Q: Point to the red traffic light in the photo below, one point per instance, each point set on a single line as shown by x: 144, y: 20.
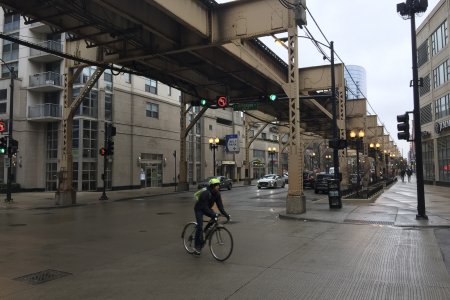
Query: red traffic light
x: 102, y: 151
x: 2, y: 126
x: 222, y: 101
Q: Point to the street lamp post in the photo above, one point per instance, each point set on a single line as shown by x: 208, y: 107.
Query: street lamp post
x: 272, y: 151
x: 408, y: 10
x: 375, y: 148
x: 327, y: 158
x: 213, y: 145
x: 358, y: 141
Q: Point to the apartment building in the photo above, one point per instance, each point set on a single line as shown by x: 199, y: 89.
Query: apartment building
x: 145, y: 113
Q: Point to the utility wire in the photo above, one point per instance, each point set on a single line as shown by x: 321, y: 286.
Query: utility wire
x: 351, y: 77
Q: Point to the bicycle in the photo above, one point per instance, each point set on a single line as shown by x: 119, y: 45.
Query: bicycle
x: 219, y: 238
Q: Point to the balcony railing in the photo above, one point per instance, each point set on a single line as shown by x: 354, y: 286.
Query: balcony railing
x: 45, y: 111
x: 46, y: 81
x: 51, y: 45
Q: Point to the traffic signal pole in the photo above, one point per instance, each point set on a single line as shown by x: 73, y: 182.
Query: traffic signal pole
x: 421, y: 215
x: 103, y: 196
x: 10, y: 136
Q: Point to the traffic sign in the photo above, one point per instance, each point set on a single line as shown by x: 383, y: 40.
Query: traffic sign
x: 245, y: 106
x: 2, y: 126
x: 232, y: 143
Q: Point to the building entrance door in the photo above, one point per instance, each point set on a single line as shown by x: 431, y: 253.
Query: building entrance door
x: 153, y: 175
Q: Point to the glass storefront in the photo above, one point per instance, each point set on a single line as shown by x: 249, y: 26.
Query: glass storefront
x: 443, y: 151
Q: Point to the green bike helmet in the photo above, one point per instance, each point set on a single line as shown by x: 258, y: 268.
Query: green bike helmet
x: 214, y: 181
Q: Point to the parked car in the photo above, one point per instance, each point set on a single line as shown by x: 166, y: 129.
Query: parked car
x: 321, y: 183
x: 271, y: 181
x: 225, y: 183
x: 308, y: 180
x: 286, y: 177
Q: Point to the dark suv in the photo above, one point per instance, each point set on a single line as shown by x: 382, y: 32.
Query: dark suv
x: 308, y: 180
x: 321, y: 184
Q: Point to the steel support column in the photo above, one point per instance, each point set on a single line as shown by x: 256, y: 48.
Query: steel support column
x: 66, y: 195
x: 295, y: 203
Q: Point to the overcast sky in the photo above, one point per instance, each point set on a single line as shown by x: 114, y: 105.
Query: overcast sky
x: 371, y: 34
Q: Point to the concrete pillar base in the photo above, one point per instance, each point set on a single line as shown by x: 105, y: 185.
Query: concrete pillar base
x: 295, y: 204
x: 182, y: 187
x: 65, y: 198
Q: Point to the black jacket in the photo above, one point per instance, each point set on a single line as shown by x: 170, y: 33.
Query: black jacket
x: 206, y: 202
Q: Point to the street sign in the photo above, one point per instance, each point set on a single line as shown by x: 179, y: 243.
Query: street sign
x: 232, y: 143
x: 245, y: 106
x: 2, y: 126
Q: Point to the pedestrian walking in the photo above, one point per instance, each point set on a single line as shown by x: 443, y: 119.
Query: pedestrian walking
x: 402, y: 174
x: 409, y: 173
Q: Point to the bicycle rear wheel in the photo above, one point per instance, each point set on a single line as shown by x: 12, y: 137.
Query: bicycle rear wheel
x: 188, y: 237
x: 221, y: 243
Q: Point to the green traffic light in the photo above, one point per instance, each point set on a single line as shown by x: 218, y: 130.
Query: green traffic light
x: 202, y: 102
x: 2, y: 150
x: 273, y: 97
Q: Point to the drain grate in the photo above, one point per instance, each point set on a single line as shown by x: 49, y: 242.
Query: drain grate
x: 368, y: 222
x: 42, y: 276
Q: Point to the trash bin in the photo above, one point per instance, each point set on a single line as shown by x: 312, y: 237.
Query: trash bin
x: 334, y: 193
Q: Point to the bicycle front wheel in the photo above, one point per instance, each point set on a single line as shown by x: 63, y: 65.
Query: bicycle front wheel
x: 221, y: 243
x: 188, y: 237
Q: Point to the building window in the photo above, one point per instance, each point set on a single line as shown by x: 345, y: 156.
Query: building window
x: 170, y: 91
x: 107, y: 76
x: 108, y: 106
x: 151, y: 86
x: 90, y: 139
x: 6, y: 69
x: 439, y: 38
x: 428, y: 160
x: 11, y: 22
x: 263, y: 135
x: 89, y: 104
x: 440, y: 74
x: 89, y: 176
x: 442, y: 107
x: 426, y: 85
x: 52, y: 141
x: 152, y: 110
x: 423, y: 53
x: 10, y: 49
x: 3, y: 100
x: 127, y: 77
x: 425, y: 114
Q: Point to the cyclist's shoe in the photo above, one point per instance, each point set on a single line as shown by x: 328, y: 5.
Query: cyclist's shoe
x: 197, y: 252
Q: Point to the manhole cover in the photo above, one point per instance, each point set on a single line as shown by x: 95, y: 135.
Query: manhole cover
x: 164, y: 213
x: 17, y: 225
x: 368, y: 222
x: 42, y: 276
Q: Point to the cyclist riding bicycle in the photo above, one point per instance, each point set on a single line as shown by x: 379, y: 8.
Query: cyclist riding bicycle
x: 204, y: 207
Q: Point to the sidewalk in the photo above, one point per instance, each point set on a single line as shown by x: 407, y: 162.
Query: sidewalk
x: 396, y: 206
x: 46, y: 200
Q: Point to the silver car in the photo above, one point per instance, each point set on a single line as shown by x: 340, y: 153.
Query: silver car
x: 271, y: 181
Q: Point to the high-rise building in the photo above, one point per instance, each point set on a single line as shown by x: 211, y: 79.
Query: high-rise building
x: 356, y: 82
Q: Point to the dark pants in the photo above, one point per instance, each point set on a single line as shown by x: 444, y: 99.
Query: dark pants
x: 199, y: 229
